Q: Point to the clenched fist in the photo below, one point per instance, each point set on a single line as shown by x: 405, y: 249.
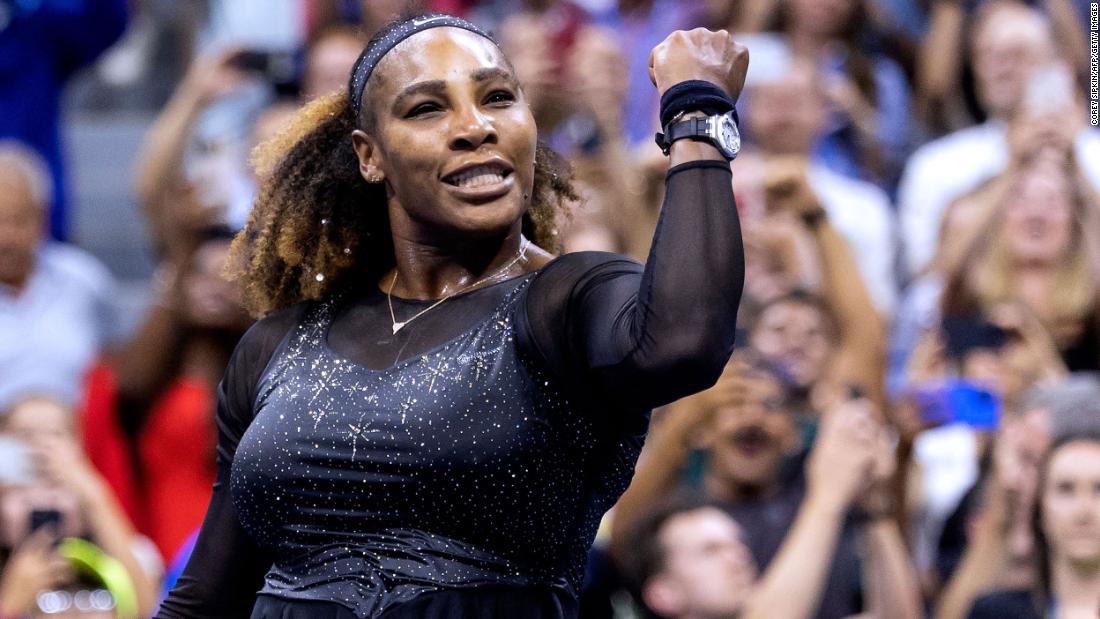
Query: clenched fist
x: 699, y: 54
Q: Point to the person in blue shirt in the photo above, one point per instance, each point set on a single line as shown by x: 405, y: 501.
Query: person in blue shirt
x: 42, y: 43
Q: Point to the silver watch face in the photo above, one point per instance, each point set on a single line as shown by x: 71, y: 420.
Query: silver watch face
x: 729, y: 137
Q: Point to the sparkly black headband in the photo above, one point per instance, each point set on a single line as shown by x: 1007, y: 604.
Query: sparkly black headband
x: 368, y: 60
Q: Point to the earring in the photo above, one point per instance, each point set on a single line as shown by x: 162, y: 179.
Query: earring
x: 374, y: 178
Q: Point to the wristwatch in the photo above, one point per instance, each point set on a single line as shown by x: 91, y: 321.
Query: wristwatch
x: 720, y: 130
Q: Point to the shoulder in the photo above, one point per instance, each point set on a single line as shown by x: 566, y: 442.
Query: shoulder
x: 851, y: 191
x: 949, y: 166
x: 578, y: 264
x: 263, y: 338
x: 250, y: 360
x: 568, y: 275
x: 950, y: 149
x: 75, y: 268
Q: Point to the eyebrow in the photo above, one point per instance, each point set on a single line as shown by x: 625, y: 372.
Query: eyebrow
x: 438, y: 87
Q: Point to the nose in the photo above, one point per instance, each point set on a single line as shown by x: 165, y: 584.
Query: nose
x: 472, y: 128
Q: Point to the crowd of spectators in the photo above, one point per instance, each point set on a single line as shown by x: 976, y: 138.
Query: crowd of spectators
x: 910, y: 426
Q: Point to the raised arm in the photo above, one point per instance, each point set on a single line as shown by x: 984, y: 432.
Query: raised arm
x: 835, y: 473
x: 654, y: 336
x: 146, y: 361
x: 861, y: 355
x: 159, y: 181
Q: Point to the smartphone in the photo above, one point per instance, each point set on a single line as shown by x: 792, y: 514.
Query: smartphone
x: 1049, y: 89
x: 45, y: 518
x: 963, y: 334
x: 958, y: 401
x: 275, y: 67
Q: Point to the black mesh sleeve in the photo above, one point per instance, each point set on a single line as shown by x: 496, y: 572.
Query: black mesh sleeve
x: 646, y: 337
x: 227, y: 567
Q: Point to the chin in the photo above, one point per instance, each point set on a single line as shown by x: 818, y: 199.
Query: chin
x: 488, y: 220
x: 1084, y: 552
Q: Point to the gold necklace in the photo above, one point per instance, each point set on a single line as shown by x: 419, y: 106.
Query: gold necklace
x: 397, y: 326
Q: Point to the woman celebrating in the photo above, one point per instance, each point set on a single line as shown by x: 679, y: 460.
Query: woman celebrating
x: 435, y: 414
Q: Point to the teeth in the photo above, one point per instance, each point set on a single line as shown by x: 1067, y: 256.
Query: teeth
x: 479, y: 180
x: 477, y: 177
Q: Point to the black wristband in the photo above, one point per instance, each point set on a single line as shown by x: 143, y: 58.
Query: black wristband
x: 692, y: 96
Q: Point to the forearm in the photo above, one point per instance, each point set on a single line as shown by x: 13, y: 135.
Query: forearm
x: 143, y: 363
x: 1068, y: 32
x: 977, y: 572
x: 862, y: 356
x: 160, y: 159
x: 938, y: 64
x: 683, y: 322
x: 888, y: 574
x: 801, y: 565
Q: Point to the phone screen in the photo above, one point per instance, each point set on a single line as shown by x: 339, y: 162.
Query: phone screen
x: 45, y: 518
x: 958, y: 401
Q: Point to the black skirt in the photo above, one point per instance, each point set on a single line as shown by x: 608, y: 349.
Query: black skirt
x: 484, y: 603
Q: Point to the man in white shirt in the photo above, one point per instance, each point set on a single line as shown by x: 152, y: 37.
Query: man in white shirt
x: 55, y: 310
x: 1009, y: 43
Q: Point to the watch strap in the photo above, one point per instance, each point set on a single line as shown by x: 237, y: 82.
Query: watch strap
x: 700, y: 128
x: 690, y: 128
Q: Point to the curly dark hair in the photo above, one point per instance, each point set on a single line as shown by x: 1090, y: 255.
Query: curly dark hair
x: 316, y: 224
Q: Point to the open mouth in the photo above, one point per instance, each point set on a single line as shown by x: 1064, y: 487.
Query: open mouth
x: 751, y: 440
x: 478, y: 175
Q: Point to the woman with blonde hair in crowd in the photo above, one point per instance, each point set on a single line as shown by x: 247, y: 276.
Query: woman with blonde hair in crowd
x: 1035, y: 242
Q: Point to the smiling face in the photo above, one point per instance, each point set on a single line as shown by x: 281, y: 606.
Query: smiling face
x: 1071, y: 503
x: 452, y: 135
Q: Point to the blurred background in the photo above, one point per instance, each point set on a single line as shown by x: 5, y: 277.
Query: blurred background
x: 917, y: 189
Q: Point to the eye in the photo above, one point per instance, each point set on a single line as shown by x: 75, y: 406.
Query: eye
x: 421, y: 109
x: 500, y: 97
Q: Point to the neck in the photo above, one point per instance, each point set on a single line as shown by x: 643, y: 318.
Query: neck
x: 733, y: 491
x: 1033, y: 283
x: 206, y: 356
x: 426, y: 270
x: 1076, y: 584
x: 807, y: 43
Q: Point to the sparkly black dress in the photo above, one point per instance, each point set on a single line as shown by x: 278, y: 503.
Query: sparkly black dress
x: 460, y: 467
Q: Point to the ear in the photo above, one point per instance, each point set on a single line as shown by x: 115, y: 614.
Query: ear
x: 369, y: 160
x: 662, y: 596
